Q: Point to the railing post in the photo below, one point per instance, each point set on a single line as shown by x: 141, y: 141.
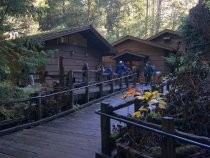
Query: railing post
x: 71, y: 86
x: 105, y: 129
x: 168, y: 86
x: 39, y: 106
x: 121, y: 81
x: 168, y: 144
x: 101, y: 84
x: 112, y: 84
x: 137, y: 104
x: 87, y: 88
x: 134, y: 79
x: 61, y: 71
x: 127, y: 81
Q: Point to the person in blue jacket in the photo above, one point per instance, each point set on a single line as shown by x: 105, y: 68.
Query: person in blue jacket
x: 109, y: 72
x: 120, y: 68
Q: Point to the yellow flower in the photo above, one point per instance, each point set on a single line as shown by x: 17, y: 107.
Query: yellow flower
x: 154, y: 94
x: 147, y: 94
x: 137, y: 114
x: 162, y: 104
x: 129, y: 94
x: 124, y: 96
x: 137, y: 93
x: 143, y: 110
x: 153, y: 101
x: 140, y: 97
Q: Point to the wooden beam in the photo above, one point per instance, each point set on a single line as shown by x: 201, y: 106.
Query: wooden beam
x: 168, y: 144
x: 61, y: 71
x: 105, y: 129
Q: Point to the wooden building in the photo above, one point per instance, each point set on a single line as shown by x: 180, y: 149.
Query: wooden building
x: 168, y: 38
x: 75, y: 47
x: 136, y: 52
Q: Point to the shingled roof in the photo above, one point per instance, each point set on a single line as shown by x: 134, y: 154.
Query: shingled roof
x: 141, y: 41
x: 93, y: 37
x: 162, y: 33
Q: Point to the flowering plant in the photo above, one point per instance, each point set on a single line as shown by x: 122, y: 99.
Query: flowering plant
x: 151, y: 101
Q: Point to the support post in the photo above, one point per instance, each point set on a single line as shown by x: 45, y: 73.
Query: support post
x: 134, y: 80
x: 120, y: 82
x: 101, y: 84
x: 112, y: 84
x: 137, y: 104
x: 39, y: 106
x: 168, y: 85
x: 105, y: 130
x: 71, y: 86
x: 168, y: 144
x: 87, y: 88
x: 127, y: 81
x: 61, y: 71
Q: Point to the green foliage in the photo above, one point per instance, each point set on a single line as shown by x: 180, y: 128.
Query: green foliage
x: 191, y: 86
x: 10, y: 10
x: 171, y: 59
x: 195, y: 33
x: 9, y: 91
x: 21, y: 57
x: 120, y: 17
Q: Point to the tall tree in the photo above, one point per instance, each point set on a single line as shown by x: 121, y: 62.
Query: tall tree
x: 158, y: 19
x: 146, y: 18
x: 13, y: 9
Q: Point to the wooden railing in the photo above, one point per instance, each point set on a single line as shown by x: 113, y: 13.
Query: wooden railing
x: 166, y: 130
x: 48, y: 106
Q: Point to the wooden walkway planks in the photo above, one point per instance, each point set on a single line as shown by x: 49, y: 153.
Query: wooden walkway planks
x: 74, y: 136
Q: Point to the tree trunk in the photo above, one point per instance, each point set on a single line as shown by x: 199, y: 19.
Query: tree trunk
x: 153, y: 18
x: 158, y: 19
x: 146, y: 19
x: 63, y: 11
x: 88, y: 10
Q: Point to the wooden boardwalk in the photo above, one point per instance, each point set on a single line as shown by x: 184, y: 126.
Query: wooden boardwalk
x: 74, y: 136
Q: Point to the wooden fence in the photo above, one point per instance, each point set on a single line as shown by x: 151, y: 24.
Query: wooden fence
x: 50, y: 105
x: 166, y: 130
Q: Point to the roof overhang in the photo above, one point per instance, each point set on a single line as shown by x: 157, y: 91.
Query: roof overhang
x: 146, y: 42
x: 129, y: 56
x: 162, y: 33
x: 94, y: 39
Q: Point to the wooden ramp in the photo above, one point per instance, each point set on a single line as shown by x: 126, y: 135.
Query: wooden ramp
x: 74, y: 136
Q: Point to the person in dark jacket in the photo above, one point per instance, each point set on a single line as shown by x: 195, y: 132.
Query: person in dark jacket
x: 120, y: 68
x: 109, y: 72
x: 148, y: 71
x: 85, y: 72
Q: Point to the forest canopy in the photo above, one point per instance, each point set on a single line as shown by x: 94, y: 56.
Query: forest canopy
x: 112, y: 18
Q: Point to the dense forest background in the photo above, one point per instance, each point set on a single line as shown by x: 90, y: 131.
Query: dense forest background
x: 112, y: 18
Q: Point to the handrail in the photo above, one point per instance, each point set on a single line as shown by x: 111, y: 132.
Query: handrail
x: 61, y: 92
x: 167, y: 134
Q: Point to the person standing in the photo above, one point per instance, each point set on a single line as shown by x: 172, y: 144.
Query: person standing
x: 148, y: 71
x: 85, y: 72
x: 120, y: 68
x: 109, y: 72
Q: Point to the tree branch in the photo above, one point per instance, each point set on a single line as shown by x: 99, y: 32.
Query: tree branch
x: 4, y: 14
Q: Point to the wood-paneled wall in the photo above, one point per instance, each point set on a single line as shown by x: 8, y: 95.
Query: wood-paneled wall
x: 155, y: 54
x: 172, y: 42
x: 74, y: 57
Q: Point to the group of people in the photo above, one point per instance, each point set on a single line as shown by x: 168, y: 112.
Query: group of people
x: 121, y: 69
